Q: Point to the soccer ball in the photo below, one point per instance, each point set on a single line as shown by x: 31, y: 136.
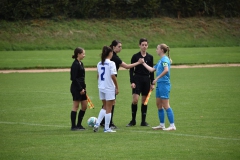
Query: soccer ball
x: 91, y: 121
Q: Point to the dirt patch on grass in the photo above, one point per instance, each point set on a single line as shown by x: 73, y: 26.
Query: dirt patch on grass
x: 95, y: 69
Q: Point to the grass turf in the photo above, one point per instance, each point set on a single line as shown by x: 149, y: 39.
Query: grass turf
x: 35, y: 118
x: 63, y: 58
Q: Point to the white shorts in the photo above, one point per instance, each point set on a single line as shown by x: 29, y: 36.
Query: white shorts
x: 110, y: 95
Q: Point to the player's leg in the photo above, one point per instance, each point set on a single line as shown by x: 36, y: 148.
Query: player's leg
x: 103, y: 121
x: 133, y: 109
x: 76, y: 100
x: 161, y: 115
x: 102, y: 112
x: 82, y: 112
x: 110, y: 97
x: 112, y: 125
x: 73, y: 115
x: 166, y: 106
x: 144, y: 89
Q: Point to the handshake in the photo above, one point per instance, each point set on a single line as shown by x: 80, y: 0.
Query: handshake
x: 141, y: 60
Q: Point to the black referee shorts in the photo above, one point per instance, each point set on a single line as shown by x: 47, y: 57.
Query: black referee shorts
x: 142, y: 85
x: 77, y: 96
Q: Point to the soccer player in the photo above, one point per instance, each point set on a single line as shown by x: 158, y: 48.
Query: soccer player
x: 117, y: 47
x: 163, y: 88
x: 141, y: 81
x: 78, y: 89
x: 108, y: 87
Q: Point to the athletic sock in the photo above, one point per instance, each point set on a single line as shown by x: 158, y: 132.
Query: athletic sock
x: 73, y: 118
x: 134, y: 112
x: 80, y: 117
x: 161, y: 116
x: 101, y: 115
x: 170, y: 115
x: 112, y: 115
x: 144, y: 112
x: 107, y: 120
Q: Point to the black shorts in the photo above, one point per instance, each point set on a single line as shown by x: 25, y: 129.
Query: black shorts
x: 76, y: 93
x: 142, y: 85
x: 77, y: 96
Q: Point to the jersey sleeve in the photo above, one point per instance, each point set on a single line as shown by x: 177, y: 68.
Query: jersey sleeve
x: 113, y: 69
x: 164, y: 62
x: 118, y: 61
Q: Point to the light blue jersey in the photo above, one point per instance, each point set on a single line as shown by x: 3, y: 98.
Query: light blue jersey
x: 164, y: 61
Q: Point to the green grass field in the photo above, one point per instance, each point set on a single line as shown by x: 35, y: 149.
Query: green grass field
x: 35, y: 118
x: 63, y: 58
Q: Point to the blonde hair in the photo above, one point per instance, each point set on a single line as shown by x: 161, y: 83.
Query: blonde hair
x: 166, y: 49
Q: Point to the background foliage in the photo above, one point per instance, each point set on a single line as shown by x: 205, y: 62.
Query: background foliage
x: 32, y: 9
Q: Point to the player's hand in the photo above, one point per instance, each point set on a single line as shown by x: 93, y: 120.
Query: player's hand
x: 152, y: 87
x: 82, y: 92
x: 116, y: 91
x: 141, y: 60
x: 154, y: 82
x: 133, y: 85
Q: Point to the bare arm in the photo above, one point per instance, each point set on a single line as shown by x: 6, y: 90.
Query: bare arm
x: 128, y: 66
x: 165, y: 71
x: 150, y: 69
x: 115, y: 82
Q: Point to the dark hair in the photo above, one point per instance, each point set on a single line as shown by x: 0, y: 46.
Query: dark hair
x: 143, y: 40
x: 114, y: 43
x: 105, y: 52
x: 76, y: 51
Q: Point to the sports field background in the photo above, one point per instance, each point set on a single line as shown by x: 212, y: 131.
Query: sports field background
x: 35, y: 118
x: 35, y: 107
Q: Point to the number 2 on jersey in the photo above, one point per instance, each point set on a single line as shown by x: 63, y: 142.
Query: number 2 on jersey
x: 102, y: 74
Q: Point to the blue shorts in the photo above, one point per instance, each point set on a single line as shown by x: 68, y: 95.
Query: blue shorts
x: 163, y: 90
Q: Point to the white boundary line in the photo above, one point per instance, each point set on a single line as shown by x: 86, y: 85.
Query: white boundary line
x: 150, y: 132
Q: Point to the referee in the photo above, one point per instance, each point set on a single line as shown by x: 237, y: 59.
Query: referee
x: 78, y: 89
x: 141, y: 82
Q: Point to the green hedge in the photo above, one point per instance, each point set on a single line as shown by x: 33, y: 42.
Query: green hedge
x: 32, y: 9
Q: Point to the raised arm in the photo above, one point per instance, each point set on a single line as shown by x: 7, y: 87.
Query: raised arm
x: 150, y: 69
x: 128, y: 66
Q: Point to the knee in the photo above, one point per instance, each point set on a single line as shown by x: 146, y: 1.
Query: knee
x: 135, y: 101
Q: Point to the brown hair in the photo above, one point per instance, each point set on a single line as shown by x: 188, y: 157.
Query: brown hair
x: 105, y: 52
x: 114, y: 43
x: 143, y: 40
x: 76, y: 51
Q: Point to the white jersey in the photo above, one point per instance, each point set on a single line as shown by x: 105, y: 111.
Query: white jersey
x: 105, y: 82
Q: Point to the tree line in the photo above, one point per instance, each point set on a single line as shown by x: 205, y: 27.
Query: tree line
x: 84, y: 9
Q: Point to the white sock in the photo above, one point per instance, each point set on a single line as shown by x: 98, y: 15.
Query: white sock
x: 107, y: 120
x: 162, y: 124
x: 101, y: 115
x: 172, y: 125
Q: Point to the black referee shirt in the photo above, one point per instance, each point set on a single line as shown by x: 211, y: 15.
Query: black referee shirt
x: 77, y: 75
x: 140, y: 69
x: 117, y: 61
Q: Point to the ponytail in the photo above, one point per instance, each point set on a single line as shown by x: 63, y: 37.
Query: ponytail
x: 77, y: 51
x: 166, y: 49
x: 105, y: 52
x: 168, y: 54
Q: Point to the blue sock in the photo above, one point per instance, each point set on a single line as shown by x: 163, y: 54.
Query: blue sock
x: 170, y: 115
x: 161, y: 115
